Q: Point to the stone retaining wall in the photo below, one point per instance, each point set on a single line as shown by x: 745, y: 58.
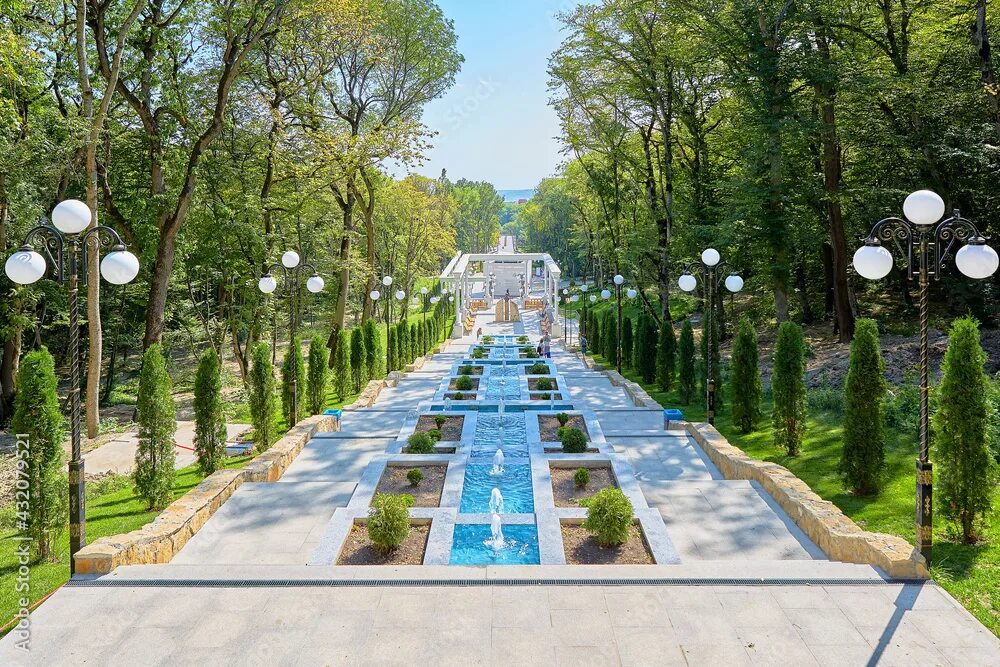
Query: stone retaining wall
x: 837, y: 535
x: 160, y: 540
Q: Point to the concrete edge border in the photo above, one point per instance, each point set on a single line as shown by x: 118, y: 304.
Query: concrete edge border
x: 161, y: 539
x: 829, y: 528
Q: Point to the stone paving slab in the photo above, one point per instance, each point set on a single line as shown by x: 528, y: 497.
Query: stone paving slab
x: 702, y: 625
x: 334, y: 459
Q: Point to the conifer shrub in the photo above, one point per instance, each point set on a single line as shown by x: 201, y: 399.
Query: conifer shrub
x: 789, y: 389
x: 434, y: 434
x: 966, y: 470
x: 414, y: 476
x: 465, y: 370
x: 627, y: 343
x: 420, y: 443
x: 645, y: 349
x: 686, y: 363
x: 359, y: 359
x: 666, y: 356
x: 573, y: 440
x: 392, y: 350
x: 414, y: 342
x: 543, y: 384
x: 747, y: 388
x: 37, y: 418
x: 716, y: 359
x: 581, y: 478
x: 562, y: 418
x: 389, y: 521
x: 319, y: 374
x: 374, y: 355
x: 209, y: 416
x: 342, y: 375
x: 154, y: 473
x: 260, y: 395
x: 862, y: 461
x: 439, y: 420
x: 293, y: 368
x: 609, y: 516
x: 463, y: 383
x: 539, y: 368
x: 609, y: 336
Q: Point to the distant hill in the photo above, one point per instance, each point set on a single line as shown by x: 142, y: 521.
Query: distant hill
x: 514, y: 195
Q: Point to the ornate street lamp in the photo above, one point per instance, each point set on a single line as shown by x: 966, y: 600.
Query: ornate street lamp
x: 709, y: 268
x: 619, y: 280
x: 375, y: 295
x: 928, y: 243
x: 291, y: 268
x: 65, y: 243
x: 565, y: 313
x: 583, y: 288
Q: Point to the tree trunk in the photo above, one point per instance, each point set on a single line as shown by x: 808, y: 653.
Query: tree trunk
x: 802, y: 285
x: 981, y: 38
x: 340, y: 316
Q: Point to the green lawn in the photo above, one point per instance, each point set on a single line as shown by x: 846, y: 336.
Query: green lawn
x: 971, y: 573
x: 112, y: 508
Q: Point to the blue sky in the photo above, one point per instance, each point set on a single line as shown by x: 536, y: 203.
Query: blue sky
x: 495, y: 124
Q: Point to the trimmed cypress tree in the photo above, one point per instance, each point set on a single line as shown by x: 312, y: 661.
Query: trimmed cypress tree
x: 403, y: 352
x: 862, y: 460
x: 374, y: 355
x: 359, y: 360
x: 293, y: 366
x: 666, y: 356
x: 789, y: 388
x: 391, y: 342
x: 260, y: 386
x: 37, y: 419
x: 609, y: 336
x: 319, y: 374
x: 686, y: 363
x: 154, y: 457
x: 414, y: 342
x: 342, y: 376
x: 627, y: 343
x: 967, y: 473
x: 594, y: 331
x: 645, y: 348
x: 209, y: 416
x: 747, y: 388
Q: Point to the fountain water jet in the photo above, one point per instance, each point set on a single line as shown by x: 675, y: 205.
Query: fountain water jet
x: 496, y: 502
x: 496, y: 530
x: 497, y: 468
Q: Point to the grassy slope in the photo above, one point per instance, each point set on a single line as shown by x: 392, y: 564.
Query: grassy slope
x: 971, y: 573
x: 109, y: 512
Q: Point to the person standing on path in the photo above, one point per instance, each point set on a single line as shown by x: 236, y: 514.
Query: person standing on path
x: 583, y: 344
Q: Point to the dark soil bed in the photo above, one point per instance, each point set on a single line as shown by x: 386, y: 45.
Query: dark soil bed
x: 538, y: 396
x: 358, y: 549
x: 565, y: 491
x: 425, y: 494
x: 582, y: 549
x: 548, y: 427
x: 466, y: 396
x: 533, y: 384
x: 450, y: 432
x: 476, y: 370
x: 475, y: 384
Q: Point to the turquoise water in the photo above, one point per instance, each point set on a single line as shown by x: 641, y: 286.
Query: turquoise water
x: 470, y: 545
x: 505, y: 352
x: 487, y: 439
x: 514, y: 484
x: 504, y: 382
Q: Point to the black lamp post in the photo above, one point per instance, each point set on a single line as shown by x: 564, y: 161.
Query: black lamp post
x: 709, y: 270
x: 291, y: 268
x: 928, y: 243
x: 65, y: 243
x: 619, y: 280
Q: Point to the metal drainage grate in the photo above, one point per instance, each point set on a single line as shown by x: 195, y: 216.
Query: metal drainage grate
x: 408, y: 583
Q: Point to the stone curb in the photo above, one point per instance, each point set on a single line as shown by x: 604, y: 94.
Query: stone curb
x: 161, y: 539
x: 837, y: 535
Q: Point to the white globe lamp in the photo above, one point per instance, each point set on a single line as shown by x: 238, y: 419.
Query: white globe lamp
x: 25, y: 266
x: 593, y: 298
x: 631, y: 293
x: 605, y: 294
x: 734, y: 283
x: 267, y: 284
x: 71, y: 216
x: 923, y: 207
x: 119, y: 266
x: 687, y: 282
x: 977, y: 260
x: 873, y: 262
x: 290, y: 259
x: 386, y: 280
x: 710, y: 257
x: 374, y: 295
x: 400, y: 295
x: 423, y: 290
x: 315, y: 284
x: 619, y: 279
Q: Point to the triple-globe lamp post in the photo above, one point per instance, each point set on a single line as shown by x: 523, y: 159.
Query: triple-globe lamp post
x: 928, y: 243
x: 68, y: 240
x: 291, y: 267
x: 709, y: 269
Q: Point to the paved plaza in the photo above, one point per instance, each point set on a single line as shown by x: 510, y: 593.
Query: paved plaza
x: 745, y: 585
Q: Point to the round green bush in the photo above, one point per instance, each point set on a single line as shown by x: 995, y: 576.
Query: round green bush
x: 434, y: 433
x: 573, y: 440
x: 463, y: 383
x: 581, y: 478
x: 609, y: 516
x: 545, y: 397
x: 487, y: 340
x: 544, y: 384
x: 538, y: 369
x: 415, y: 476
x: 465, y: 370
x: 522, y: 339
x: 420, y: 443
x: 389, y: 520
x: 458, y: 396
